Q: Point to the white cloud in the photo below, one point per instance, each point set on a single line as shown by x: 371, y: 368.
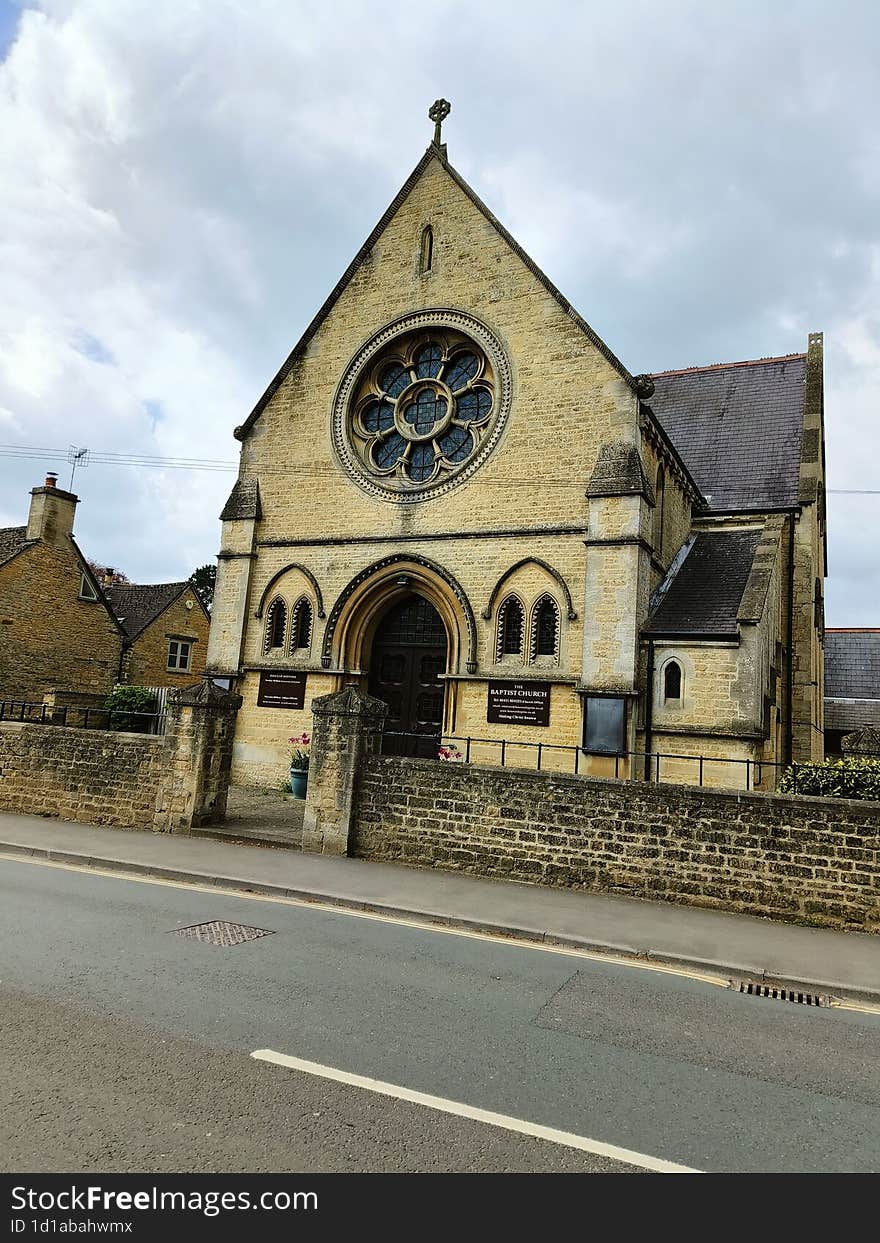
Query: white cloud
x: 185, y: 181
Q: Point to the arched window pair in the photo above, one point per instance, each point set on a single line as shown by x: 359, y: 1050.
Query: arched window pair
x: 300, y: 633
x: 543, y: 633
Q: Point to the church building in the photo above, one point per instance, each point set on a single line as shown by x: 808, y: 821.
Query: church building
x: 455, y: 496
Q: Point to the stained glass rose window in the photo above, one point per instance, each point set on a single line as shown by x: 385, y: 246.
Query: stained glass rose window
x: 423, y: 408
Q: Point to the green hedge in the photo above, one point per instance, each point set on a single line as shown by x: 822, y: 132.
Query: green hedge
x: 127, y: 705
x: 850, y: 777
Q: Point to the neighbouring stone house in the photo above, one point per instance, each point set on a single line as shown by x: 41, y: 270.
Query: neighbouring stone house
x: 56, y: 629
x: 166, y: 628
x: 852, y: 684
x: 63, y: 633
x: 456, y: 497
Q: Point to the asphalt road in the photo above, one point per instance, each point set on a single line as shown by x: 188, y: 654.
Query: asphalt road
x: 124, y: 1047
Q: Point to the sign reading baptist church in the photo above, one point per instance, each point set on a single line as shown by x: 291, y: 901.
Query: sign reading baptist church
x: 518, y: 703
x: 282, y: 690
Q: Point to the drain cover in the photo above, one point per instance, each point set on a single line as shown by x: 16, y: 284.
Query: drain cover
x: 756, y: 989
x: 221, y: 932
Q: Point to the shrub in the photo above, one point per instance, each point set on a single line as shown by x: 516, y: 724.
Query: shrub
x: 854, y: 776
x: 128, y: 706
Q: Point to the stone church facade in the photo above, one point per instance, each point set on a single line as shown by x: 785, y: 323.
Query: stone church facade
x: 456, y: 497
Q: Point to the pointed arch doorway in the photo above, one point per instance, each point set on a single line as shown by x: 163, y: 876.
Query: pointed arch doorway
x: 407, y: 662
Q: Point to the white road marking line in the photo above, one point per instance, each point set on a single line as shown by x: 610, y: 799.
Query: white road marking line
x: 422, y: 925
x: 564, y: 1138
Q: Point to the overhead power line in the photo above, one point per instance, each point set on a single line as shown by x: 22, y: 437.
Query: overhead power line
x: 106, y: 458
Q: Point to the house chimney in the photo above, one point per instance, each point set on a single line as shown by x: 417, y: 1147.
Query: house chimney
x: 51, y: 515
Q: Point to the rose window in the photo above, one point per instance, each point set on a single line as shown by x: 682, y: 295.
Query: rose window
x: 423, y: 410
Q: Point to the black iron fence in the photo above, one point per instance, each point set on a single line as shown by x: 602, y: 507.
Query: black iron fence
x: 658, y: 766
x: 120, y: 720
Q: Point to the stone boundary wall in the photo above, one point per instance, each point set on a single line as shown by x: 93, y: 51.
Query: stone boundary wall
x: 787, y: 857
x: 91, y: 775
x: 169, y: 783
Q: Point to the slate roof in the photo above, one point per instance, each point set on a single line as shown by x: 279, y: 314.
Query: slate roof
x: 138, y: 604
x: 852, y: 664
x: 738, y: 427
x: 852, y: 714
x: 704, y: 596
x: 12, y: 540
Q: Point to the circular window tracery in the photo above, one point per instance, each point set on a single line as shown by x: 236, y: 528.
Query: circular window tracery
x: 420, y: 408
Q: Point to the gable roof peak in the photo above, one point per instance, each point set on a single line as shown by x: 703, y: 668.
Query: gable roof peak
x: 435, y: 151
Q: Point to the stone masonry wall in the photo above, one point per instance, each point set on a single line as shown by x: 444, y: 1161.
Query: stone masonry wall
x: 141, y: 781
x: 51, y: 638
x: 91, y: 775
x: 804, y: 858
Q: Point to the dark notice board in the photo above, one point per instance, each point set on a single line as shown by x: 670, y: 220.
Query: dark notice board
x: 282, y: 690
x: 518, y: 703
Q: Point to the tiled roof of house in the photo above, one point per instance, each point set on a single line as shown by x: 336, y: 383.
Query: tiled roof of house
x: 138, y: 604
x: 852, y: 664
x: 12, y: 540
x: 738, y: 428
x: 704, y: 596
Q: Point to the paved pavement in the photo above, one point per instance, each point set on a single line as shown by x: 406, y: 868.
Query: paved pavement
x: 127, y: 1047
x: 847, y: 964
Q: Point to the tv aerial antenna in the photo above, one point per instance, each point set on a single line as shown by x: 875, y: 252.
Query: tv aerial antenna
x: 76, y: 457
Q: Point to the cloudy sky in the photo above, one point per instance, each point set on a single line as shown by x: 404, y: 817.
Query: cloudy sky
x: 183, y: 181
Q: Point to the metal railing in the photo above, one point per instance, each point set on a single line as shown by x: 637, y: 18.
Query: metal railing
x: 119, y: 720
x: 699, y: 769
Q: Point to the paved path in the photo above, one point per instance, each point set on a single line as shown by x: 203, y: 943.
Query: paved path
x: 838, y: 962
x: 269, y: 815
x: 127, y: 1047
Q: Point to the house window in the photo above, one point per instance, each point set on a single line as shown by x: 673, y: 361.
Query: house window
x: 545, y: 627
x: 510, y: 629
x: 179, y: 653
x: 276, y: 624
x: 86, y: 590
x: 672, y: 682
x: 605, y: 724
x: 301, y: 625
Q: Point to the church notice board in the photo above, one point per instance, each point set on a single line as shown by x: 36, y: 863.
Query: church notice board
x: 281, y: 690
x: 518, y: 703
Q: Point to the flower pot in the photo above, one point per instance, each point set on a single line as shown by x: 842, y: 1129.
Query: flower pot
x: 299, y: 779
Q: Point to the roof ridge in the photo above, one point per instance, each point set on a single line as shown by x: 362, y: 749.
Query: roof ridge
x: 748, y: 362
x: 852, y: 629
x: 177, y: 582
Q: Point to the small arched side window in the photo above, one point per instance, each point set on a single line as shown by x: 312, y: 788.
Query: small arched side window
x: 660, y: 498
x: 276, y: 624
x: 672, y: 682
x: 510, y: 629
x: 426, y: 258
x: 545, y: 628
x: 301, y: 625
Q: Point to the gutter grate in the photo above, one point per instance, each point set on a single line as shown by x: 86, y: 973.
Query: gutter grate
x: 222, y: 932
x: 755, y: 988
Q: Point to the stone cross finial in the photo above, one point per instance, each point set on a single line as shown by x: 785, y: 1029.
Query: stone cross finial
x: 438, y: 112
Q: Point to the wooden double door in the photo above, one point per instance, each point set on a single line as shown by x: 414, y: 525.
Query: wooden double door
x: 407, y: 662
